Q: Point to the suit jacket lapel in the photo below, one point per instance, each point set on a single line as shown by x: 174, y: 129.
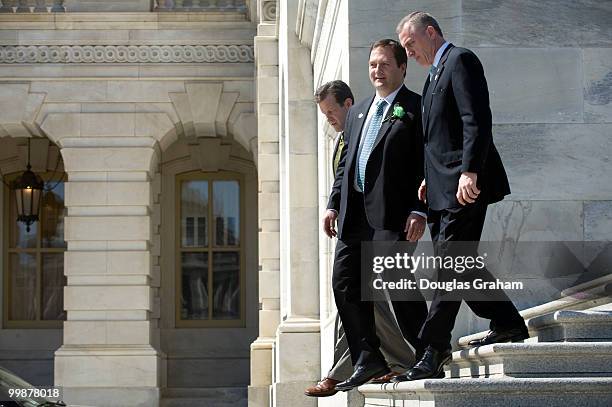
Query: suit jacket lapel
x: 425, y: 102
x: 387, y: 125
x: 432, y: 86
x: 361, y: 112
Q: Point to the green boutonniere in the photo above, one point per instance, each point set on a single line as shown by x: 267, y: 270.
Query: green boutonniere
x: 398, y: 113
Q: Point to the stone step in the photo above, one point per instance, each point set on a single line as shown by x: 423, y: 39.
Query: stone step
x: 492, y: 392
x: 563, y: 326
x: 556, y: 359
x: 205, y: 397
x: 573, y: 326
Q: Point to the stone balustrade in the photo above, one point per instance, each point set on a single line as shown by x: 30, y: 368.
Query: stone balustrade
x: 32, y: 6
x: 200, y: 5
x: 53, y: 6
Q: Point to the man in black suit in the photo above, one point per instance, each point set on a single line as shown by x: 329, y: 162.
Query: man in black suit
x: 374, y: 198
x: 335, y: 99
x: 463, y: 174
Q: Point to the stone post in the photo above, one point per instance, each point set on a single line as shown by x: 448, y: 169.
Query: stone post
x: 297, y: 353
x: 266, y: 59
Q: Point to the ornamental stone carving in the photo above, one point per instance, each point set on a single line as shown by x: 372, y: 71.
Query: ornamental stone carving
x: 268, y: 11
x: 76, y: 54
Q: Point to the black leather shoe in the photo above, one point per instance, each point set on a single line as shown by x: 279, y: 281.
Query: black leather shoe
x: 431, y: 366
x: 494, y: 336
x: 362, y: 375
x: 404, y: 377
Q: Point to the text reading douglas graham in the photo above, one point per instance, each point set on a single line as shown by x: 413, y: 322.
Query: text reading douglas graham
x: 458, y: 264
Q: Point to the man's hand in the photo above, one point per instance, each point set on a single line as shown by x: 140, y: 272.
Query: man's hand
x: 423, y: 192
x: 415, y: 227
x: 467, y: 191
x: 329, y: 223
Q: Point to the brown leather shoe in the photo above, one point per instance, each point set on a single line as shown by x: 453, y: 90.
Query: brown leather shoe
x: 325, y: 388
x: 385, y: 378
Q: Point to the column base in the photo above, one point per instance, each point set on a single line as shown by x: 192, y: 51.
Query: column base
x: 127, y: 375
x: 297, y: 351
x: 292, y: 394
x: 261, y: 362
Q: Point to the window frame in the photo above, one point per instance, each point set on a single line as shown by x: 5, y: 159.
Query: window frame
x: 39, y: 251
x: 210, y: 177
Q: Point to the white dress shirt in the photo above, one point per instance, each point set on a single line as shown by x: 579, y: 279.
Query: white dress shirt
x: 439, y: 53
x: 364, y: 130
x: 389, y: 99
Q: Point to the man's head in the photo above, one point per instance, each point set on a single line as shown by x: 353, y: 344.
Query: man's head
x: 387, y: 66
x: 421, y: 36
x: 334, y: 99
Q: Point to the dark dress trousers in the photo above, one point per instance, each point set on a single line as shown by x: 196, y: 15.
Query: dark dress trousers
x: 394, y: 348
x: 458, y: 138
x: 393, y: 172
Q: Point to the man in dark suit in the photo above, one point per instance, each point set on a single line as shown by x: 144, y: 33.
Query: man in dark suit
x: 374, y: 198
x: 335, y: 99
x: 463, y: 174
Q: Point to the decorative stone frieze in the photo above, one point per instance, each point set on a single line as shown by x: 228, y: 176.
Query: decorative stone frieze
x: 84, y: 54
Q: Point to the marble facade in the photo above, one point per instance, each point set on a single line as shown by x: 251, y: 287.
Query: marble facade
x: 547, y: 65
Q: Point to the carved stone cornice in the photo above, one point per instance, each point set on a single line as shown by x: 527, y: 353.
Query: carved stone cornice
x: 79, y: 54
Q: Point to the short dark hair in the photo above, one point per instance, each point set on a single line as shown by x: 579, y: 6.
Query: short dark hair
x: 398, y: 51
x: 338, y: 88
x: 420, y: 20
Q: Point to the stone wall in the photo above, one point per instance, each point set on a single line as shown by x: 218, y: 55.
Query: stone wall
x: 548, y: 66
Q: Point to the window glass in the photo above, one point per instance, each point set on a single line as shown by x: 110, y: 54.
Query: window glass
x: 226, y: 285
x: 209, y: 253
x: 226, y: 212
x: 53, y: 282
x: 194, y: 299
x: 194, y: 212
x: 52, y: 215
x: 23, y: 296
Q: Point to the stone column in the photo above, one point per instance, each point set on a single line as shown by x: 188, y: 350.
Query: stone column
x: 297, y: 353
x: 110, y: 353
x: 266, y: 59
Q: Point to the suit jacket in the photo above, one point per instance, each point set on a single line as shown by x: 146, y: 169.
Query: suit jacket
x: 394, y: 170
x: 457, y: 128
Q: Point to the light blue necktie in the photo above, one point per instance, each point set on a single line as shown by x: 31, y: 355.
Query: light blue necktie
x: 432, y: 72
x: 368, y: 142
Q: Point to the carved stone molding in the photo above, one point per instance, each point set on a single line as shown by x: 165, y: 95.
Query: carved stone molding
x: 79, y: 54
x: 210, y: 110
x: 268, y: 11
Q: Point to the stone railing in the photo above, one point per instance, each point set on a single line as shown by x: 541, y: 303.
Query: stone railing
x: 32, y: 6
x: 200, y: 5
x: 54, y: 6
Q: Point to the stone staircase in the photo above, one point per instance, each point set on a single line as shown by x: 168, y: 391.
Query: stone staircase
x: 567, y: 361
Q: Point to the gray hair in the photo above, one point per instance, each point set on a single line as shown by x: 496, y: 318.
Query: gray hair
x: 419, y: 19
